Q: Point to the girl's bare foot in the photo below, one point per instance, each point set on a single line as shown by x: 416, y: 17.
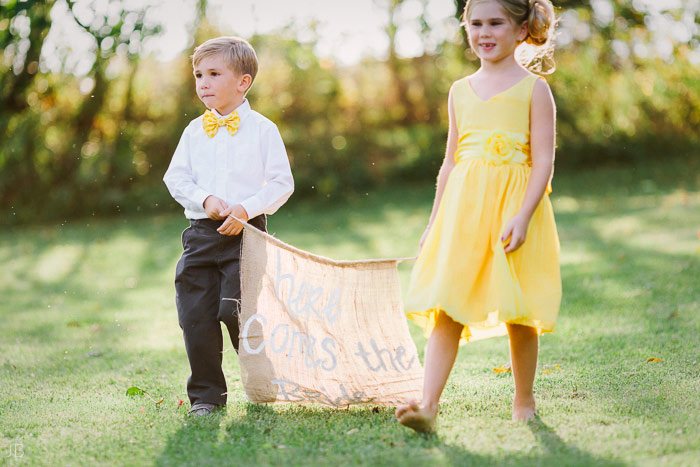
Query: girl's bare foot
x: 524, y: 409
x: 415, y: 417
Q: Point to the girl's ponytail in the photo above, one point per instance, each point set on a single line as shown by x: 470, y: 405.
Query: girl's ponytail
x: 540, y: 22
x: 537, y: 52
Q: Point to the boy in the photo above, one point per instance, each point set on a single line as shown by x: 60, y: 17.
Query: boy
x: 230, y: 163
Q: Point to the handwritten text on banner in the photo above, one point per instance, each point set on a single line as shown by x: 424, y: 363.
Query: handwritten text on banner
x: 322, y: 331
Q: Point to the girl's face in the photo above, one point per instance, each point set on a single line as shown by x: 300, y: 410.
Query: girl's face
x: 492, y: 33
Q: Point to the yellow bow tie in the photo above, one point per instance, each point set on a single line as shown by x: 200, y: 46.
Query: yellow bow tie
x: 211, y: 124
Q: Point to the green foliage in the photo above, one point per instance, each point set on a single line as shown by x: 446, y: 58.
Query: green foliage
x: 66, y: 152
x: 99, y: 144
x: 616, y: 109
x: 348, y: 128
x: 134, y: 391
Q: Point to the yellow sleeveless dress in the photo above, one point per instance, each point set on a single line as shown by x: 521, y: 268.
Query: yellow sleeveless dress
x: 463, y: 268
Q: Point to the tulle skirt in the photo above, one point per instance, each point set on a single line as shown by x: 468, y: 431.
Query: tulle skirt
x: 463, y: 269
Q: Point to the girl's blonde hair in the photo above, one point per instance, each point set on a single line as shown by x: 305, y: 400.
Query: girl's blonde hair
x: 536, y: 53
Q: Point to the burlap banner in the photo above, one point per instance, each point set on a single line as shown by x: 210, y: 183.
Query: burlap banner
x: 322, y: 331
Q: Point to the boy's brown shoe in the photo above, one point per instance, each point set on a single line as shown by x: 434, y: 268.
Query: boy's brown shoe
x: 203, y: 408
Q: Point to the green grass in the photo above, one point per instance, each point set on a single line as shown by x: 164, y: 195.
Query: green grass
x: 88, y: 311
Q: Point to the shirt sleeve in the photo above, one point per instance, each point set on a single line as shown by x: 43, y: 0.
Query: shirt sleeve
x: 179, y: 179
x: 279, y: 183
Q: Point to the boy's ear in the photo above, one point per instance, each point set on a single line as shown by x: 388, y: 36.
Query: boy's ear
x: 245, y: 82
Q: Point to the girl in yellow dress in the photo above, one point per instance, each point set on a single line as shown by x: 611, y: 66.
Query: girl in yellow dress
x: 476, y: 275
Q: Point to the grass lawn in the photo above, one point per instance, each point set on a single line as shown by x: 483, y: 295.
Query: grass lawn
x: 88, y: 311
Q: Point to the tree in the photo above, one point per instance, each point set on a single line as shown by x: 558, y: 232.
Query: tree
x: 26, y: 109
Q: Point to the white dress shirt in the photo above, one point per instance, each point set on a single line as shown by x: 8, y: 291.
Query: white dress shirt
x: 250, y: 168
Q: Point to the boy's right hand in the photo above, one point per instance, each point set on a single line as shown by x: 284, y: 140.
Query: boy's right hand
x: 213, y: 207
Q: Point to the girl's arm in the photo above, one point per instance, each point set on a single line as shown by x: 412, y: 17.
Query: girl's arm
x: 542, y: 136
x: 447, y: 164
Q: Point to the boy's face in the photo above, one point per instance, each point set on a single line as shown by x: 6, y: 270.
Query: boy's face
x: 218, y: 86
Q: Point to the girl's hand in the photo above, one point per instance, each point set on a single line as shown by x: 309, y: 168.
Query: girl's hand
x: 514, y: 233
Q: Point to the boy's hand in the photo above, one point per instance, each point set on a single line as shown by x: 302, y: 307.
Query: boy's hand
x: 231, y: 226
x: 214, y: 207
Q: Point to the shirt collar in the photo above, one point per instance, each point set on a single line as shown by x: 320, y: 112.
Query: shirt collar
x: 243, y: 110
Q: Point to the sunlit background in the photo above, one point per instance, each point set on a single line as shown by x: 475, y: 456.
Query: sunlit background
x: 96, y: 93
x: 94, y: 96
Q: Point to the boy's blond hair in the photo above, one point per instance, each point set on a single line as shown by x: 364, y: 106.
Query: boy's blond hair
x: 238, y: 54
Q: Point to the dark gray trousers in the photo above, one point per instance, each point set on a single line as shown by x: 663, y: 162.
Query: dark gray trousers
x: 208, y: 290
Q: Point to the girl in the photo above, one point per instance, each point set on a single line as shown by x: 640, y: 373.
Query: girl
x: 476, y: 276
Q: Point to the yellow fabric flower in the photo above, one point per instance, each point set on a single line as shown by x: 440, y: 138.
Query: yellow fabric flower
x: 211, y: 124
x: 499, y: 148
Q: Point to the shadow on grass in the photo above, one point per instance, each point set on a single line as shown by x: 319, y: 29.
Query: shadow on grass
x: 195, y: 443
x: 303, y: 435
x: 556, y: 448
x: 628, y: 301
x: 299, y: 435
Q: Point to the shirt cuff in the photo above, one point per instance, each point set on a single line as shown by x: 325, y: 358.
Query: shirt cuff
x: 252, y: 207
x: 199, y: 197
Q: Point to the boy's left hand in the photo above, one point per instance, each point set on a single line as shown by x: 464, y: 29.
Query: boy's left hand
x: 231, y: 226
x: 514, y: 234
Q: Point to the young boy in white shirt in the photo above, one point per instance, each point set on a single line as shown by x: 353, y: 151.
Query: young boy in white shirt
x: 230, y: 163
